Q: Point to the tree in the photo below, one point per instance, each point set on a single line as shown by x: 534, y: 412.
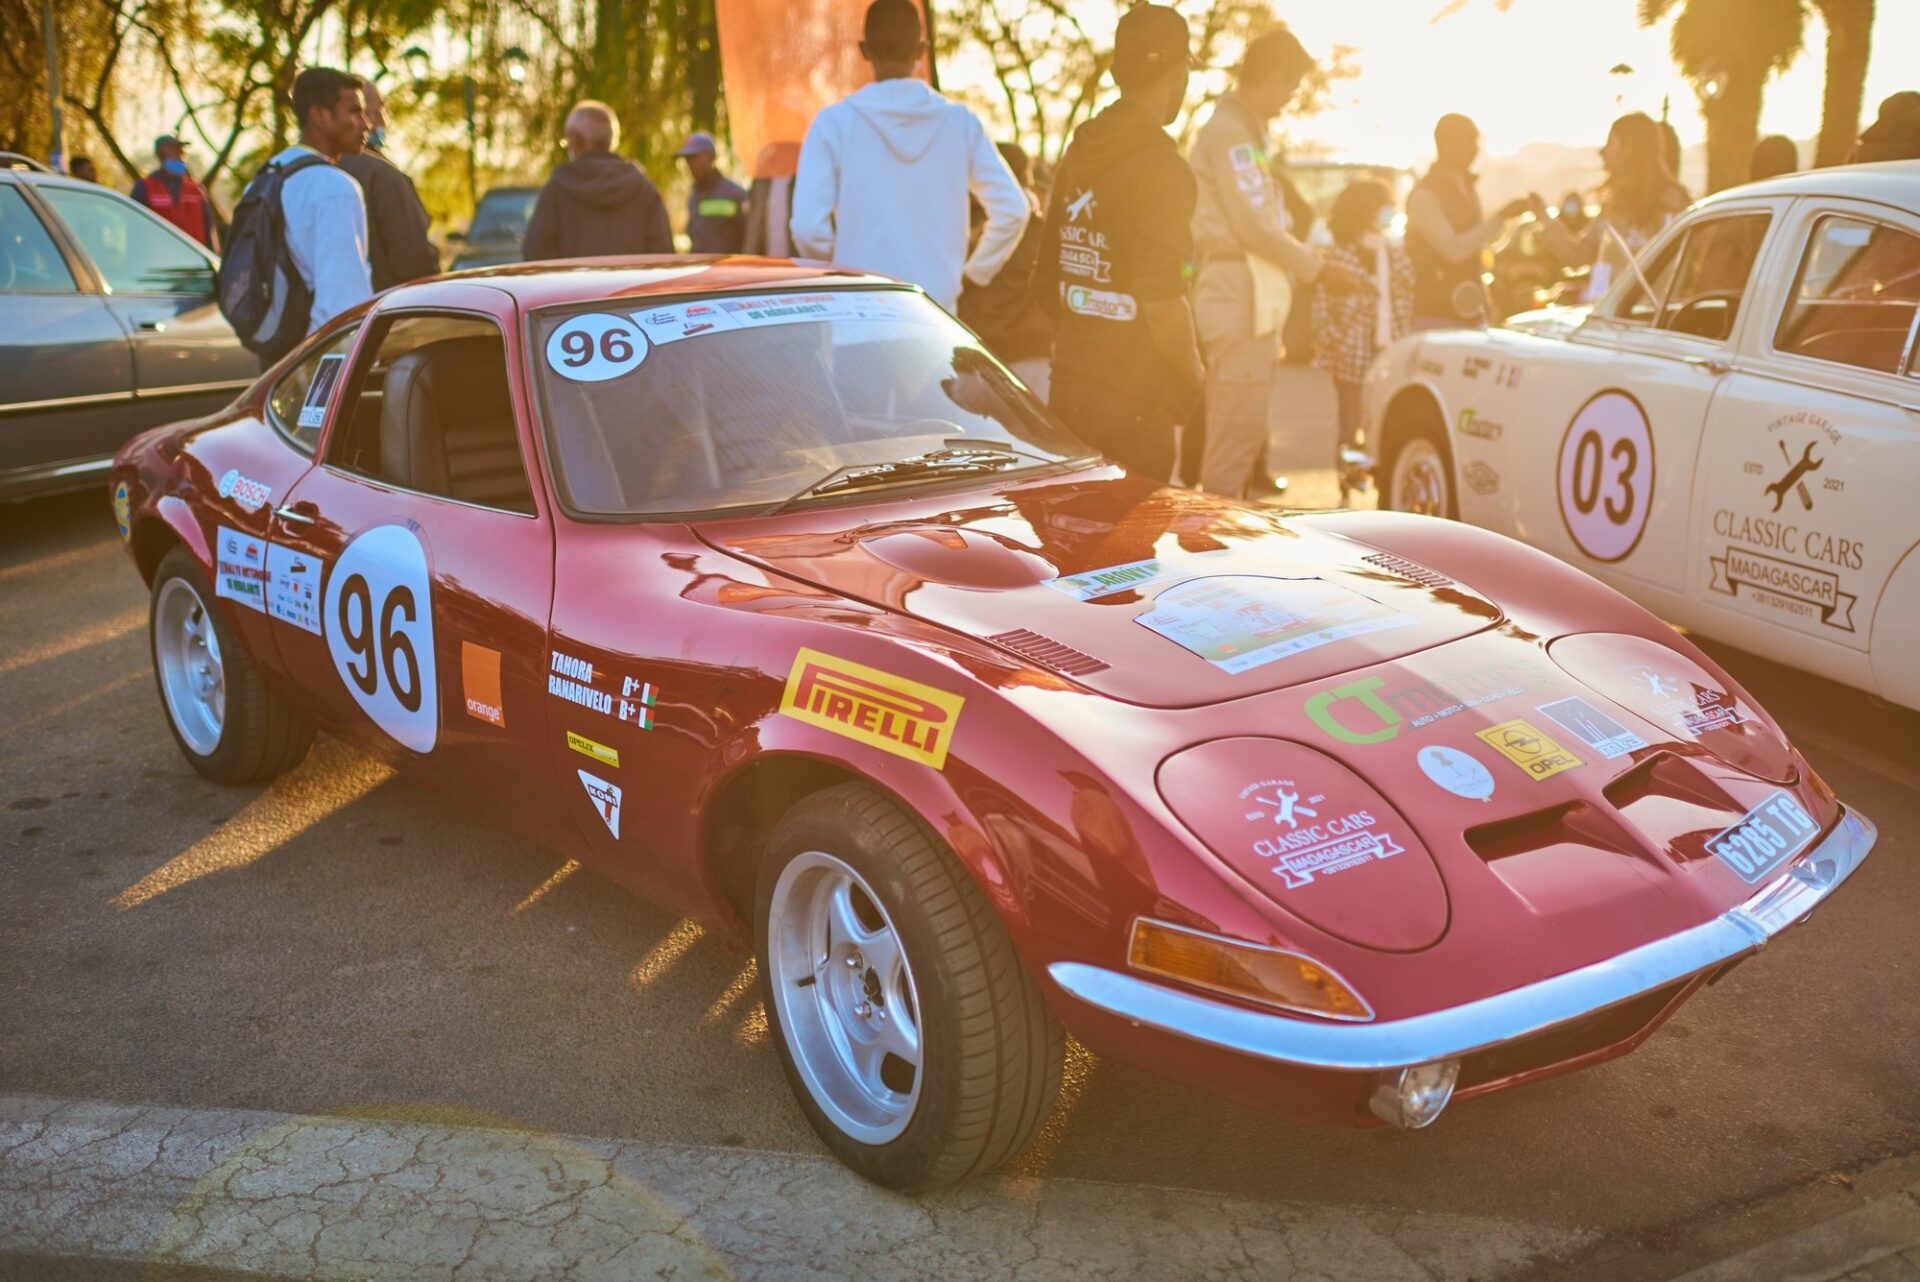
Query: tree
x: 1849, y: 39
x: 1728, y: 49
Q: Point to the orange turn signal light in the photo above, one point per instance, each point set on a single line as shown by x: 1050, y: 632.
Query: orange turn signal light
x: 1253, y: 972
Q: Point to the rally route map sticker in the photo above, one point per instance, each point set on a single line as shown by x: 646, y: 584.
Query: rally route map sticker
x: 596, y: 347
x: 379, y: 625
x: 1606, y: 476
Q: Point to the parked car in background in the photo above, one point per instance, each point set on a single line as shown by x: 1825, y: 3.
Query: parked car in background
x: 1729, y: 436
x: 108, y: 327
x: 499, y: 225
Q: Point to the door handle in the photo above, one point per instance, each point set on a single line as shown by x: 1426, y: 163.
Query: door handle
x: 1711, y: 364
x: 301, y: 513
x: 151, y: 326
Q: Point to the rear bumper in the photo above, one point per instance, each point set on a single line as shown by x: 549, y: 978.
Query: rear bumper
x: 1491, y: 1021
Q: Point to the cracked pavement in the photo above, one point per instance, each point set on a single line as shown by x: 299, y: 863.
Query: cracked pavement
x: 338, y: 1022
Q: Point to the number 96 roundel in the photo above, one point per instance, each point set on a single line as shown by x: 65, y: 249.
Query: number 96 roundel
x: 379, y: 624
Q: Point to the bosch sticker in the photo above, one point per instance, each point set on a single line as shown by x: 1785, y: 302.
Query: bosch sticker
x: 250, y: 494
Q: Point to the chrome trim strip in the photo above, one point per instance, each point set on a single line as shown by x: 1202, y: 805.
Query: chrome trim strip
x: 53, y: 471
x: 65, y: 402
x: 1476, y: 1025
x: 190, y: 389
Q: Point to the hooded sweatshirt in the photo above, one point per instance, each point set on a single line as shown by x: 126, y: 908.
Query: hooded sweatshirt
x: 1119, y: 236
x: 883, y: 183
x: 597, y: 203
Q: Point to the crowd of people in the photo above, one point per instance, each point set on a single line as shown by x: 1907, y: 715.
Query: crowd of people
x: 1149, y: 296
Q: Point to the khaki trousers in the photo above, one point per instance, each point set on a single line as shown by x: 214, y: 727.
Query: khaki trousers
x: 1239, y: 376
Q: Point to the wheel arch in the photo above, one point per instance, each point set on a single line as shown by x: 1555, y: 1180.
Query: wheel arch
x: 165, y: 526
x: 1412, y: 404
x: 1896, y: 631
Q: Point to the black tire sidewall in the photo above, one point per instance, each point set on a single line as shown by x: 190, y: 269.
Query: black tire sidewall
x: 839, y: 830
x: 1424, y: 428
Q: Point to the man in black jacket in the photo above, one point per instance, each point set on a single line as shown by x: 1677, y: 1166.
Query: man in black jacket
x: 596, y: 202
x: 397, y: 244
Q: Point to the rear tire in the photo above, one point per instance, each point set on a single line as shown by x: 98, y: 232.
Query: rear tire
x: 910, y: 941
x: 230, y: 726
x: 1417, y: 474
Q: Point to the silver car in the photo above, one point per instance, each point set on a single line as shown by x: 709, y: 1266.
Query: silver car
x: 107, y: 327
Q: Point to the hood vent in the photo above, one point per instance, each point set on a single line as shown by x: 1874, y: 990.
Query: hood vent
x: 1049, y: 653
x: 1411, y: 570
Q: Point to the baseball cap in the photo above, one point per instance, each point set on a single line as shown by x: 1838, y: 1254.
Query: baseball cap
x: 165, y: 139
x: 698, y: 143
x: 1148, y: 39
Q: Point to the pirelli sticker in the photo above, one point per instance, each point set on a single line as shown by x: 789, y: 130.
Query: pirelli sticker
x: 872, y: 707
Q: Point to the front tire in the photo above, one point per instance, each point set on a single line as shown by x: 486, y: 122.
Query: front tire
x: 916, y: 1043
x: 1419, y: 468
x: 229, y: 725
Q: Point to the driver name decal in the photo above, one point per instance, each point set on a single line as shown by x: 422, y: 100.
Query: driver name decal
x: 869, y: 706
x: 379, y: 625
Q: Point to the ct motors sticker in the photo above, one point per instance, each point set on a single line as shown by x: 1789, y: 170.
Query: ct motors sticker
x: 379, y: 629
x: 1310, y: 838
x: 1767, y: 836
x: 1606, y: 476
x: 1781, y: 552
x: 1370, y: 711
x: 1107, y: 304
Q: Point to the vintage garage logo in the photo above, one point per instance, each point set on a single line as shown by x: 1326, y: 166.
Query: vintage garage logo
x: 1310, y: 839
x: 1782, y: 553
x: 872, y: 707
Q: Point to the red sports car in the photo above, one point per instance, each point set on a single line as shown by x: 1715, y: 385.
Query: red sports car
x: 765, y: 590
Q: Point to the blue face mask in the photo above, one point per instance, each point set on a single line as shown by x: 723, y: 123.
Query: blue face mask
x: 176, y: 166
x: 377, y: 137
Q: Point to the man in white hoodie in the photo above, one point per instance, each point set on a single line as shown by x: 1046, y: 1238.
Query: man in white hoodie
x: 885, y: 174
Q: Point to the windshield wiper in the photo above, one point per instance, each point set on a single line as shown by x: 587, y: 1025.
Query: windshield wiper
x: 941, y: 462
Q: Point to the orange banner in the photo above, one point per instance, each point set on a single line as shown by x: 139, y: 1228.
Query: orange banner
x: 781, y: 61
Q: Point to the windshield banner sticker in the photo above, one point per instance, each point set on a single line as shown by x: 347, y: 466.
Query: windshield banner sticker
x: 674, y: 321
x: 872, y: 707
x: 1240, y: 622
x: 1114, y: 578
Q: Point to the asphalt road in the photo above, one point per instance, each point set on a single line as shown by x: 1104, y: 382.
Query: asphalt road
x: 345, y: 942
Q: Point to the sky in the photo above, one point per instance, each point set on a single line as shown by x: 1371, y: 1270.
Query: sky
x: 1539, y: 72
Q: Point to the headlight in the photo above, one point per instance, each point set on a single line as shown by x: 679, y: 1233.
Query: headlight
x: 1679, y: 696
x: 1270, y: 976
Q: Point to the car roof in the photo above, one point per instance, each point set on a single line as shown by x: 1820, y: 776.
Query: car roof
x: 1890, y: 182
x: 579, y: 280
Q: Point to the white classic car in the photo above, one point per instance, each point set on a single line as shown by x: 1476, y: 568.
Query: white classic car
x: 1731, y: 435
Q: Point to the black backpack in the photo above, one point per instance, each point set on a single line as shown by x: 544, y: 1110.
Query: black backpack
x: 260, y: 290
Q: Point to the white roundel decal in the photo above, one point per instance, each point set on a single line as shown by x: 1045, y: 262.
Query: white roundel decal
x: 1606, y: 476
x: 596, y: 347
x: 379, y: 623
x: 1458, y: 772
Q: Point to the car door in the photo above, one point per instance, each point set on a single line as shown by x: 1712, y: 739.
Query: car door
x: 1617, y: 419
x: 66, y: 367
x: 1813, y: 446
x: 161, y: 286
x: 413, y: 567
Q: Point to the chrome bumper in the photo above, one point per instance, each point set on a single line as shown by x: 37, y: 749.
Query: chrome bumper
x: 1490, y: 1021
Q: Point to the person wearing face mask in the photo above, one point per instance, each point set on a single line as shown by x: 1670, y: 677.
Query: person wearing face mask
x: 397, y: 244
x: 171, y: 192
x: 1353, y: 328
x: 1251, y: 262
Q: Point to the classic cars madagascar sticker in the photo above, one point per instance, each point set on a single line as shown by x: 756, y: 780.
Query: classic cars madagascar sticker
x: 1688, y: 707
x: 1309, y: 838
x: 1782, y: 553
x: 869, y: 706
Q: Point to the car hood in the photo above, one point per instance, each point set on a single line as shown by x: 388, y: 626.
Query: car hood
x: 1145, y: 594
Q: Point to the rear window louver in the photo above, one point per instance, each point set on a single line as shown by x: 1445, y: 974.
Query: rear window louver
x: 1049, y: 653
x: 1410, y: 570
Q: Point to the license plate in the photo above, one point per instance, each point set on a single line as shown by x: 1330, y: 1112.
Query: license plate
x: 1770, y: 834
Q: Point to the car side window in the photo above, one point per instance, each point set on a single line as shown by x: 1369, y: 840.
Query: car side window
x: 135, y: 252
x: 29, y: 262
x: 429, y: 409
x: 1635, y: 305
x: 1715, y: 264
x: 1854, y: 299
x: 298, y: 402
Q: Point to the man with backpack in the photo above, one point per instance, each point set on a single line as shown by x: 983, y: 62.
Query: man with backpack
x: 297, y: 254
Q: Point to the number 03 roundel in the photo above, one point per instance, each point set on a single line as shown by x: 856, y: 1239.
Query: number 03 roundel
x: 1606, y: 476
x: 379, y: 625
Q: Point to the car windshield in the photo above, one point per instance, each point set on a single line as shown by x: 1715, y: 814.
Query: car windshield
x: 754, y: 400
x: 503, y: 213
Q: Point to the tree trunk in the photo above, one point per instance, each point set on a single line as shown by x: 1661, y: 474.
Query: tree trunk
x: 1733, y: 123
x: 1849, y: 37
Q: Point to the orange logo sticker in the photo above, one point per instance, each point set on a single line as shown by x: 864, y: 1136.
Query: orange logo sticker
x: 480, y: 679
x: 872, y: 707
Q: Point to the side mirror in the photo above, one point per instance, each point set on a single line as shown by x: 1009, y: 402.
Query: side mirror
x: 1469, y: 300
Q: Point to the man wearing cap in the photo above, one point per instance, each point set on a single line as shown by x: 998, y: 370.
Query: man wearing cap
x: 171, y: 192
x: 1116, y: 254
x: 716, y: 205
x: 397, y: 244
x: 885, y: 173
x: 1250, y: 261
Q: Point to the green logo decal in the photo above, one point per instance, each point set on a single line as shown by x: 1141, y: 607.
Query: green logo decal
x: 1320, y: 706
